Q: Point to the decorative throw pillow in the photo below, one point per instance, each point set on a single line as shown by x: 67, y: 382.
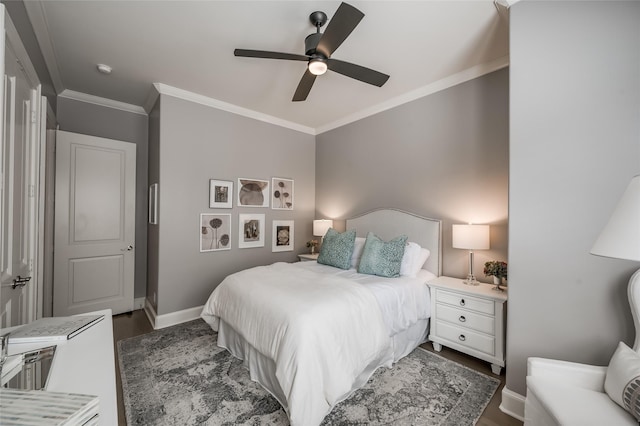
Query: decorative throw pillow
x: 358, y: 246
x: 622, y: 382
x: 337, y: 248
x: 382, y: 258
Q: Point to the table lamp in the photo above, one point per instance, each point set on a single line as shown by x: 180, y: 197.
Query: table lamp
x: 620, y: 239
x: 321, y: 226
x: 470, y: 237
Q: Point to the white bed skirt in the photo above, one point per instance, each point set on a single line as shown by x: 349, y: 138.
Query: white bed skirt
x: 263, y: 369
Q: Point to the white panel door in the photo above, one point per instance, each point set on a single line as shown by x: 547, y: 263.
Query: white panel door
x: 94, y: 254
x: 19, y: 158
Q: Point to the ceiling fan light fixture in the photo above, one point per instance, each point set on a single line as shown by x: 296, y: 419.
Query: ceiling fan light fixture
x: 317, y: 66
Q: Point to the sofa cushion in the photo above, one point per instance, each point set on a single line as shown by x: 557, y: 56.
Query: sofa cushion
x: 622, y: 382
x: 571, y: 405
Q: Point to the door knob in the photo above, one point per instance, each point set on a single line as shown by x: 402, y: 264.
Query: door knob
x: 20, y: 282
x: 129, y: 248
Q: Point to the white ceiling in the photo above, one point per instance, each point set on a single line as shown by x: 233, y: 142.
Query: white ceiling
x: 423, y: 45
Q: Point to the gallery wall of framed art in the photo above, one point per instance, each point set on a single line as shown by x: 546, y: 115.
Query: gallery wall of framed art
x: 253, y: 229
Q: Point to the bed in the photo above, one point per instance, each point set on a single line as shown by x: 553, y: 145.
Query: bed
x: 312, y: 334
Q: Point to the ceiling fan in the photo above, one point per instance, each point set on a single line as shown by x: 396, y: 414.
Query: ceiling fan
x: 318, y: 50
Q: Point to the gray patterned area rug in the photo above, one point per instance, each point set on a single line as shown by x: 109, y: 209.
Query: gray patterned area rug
x: 179, y: 376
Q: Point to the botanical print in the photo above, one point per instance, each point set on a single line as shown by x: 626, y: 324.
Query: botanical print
x: 215, y: 232
x: 251, y: 230
x: 282, y: 194
x: 282, y: 235
x: 220, y: 194
x: 253, y: 192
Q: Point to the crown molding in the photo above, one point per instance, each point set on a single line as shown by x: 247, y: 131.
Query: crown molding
x: 97, y: 100
x: 40, y: 27
x: 151, y: 99
x: 225, y: 106
x: 445, y: 83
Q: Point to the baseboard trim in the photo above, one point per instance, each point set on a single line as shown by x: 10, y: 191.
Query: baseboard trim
x: 173, y: 318
x: 138, y: 303
x: 512, y: 404
x: 150, y: 312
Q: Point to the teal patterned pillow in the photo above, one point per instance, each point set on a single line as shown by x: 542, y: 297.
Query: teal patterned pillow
x: 382, y: 258
x: 337, y: 248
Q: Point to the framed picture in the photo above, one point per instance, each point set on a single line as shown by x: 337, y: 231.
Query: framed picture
x: 282, y: 235
x: 220, y: 194
x: 153, y: 204
x: 281, y: 194
x: 215, y: 232
x: 253, y: 193
x: 251, y: 230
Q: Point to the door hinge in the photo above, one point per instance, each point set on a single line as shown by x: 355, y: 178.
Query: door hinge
x: 32, y: 191
x: 34, y: 117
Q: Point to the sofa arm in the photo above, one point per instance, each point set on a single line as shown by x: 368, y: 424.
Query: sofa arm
x: 570, y: 373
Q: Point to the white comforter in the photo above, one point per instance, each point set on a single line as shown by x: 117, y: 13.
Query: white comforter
x: 321, y: 331
x: 321, y: 326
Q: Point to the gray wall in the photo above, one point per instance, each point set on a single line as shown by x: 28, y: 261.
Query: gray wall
x: 198, y: 143
x: 574, y: 147
x: 96, y: 120
x: 443, y: 156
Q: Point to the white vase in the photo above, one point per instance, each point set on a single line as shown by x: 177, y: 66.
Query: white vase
x: 498, y: 282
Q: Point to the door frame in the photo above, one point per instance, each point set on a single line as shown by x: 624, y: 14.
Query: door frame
x: 35, y: 144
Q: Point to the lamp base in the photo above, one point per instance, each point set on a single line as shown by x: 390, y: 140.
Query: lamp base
x: 471, y: 280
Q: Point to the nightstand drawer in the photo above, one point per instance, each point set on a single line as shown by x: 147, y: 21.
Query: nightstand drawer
x: 466, y: 319
x: 466, y: 337
x: 468, y: 302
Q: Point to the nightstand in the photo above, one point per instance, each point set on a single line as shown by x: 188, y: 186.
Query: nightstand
x: 308, y: 257
x: 470, y: 319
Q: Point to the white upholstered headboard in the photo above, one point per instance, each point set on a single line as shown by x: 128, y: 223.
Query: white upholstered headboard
x: 390, y: 223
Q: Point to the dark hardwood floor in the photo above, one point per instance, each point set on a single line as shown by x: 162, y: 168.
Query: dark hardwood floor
x: 136, y: 323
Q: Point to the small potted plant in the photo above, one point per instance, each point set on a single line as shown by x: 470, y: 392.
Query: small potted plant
x: 312, y: 244
x: 498, y: 270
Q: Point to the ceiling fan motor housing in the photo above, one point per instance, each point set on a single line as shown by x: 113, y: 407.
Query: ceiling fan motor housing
x: 311, y: 42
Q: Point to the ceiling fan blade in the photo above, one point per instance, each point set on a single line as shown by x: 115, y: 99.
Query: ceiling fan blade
x: 358, y: 72
x: 269, y: 55
x: 304, y: 87
x: 340, y: 26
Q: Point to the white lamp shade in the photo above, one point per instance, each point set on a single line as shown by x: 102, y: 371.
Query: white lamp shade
x: 470, y: 237
x: 320, y: 227
x: 620, y: 238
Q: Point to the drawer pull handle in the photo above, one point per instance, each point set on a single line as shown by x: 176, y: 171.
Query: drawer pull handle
x: 462, y: 318
x: 462, y: 303
x: 462, y: 338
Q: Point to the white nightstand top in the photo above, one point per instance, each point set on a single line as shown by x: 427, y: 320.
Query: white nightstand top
x: 308, y: 256
x: 456, y: 284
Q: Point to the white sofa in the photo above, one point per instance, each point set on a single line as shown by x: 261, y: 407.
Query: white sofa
x: 568, y: 393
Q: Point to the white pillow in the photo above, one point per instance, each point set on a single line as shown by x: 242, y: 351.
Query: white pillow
x: 411, y: 251
x: 622, y: 381
x: 358, y: 247
x: 413, y: 259
x: 422, y: 258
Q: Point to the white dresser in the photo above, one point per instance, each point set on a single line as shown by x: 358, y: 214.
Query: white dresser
x: 84, y: 364
x: 470, y: 319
